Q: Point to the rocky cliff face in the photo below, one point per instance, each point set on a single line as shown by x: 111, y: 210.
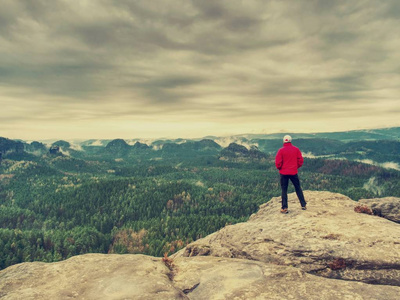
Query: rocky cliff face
x: 388, y: 207
x: 300, y: 255
x: 329, y: 239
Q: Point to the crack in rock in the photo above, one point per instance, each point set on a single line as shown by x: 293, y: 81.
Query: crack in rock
x: 189, y: 290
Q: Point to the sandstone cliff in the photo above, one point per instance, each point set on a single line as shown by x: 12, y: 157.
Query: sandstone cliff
x: 300, y: 255
x: 388, y: 207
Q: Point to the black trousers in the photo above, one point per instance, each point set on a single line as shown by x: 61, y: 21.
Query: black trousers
x: 284, y: 185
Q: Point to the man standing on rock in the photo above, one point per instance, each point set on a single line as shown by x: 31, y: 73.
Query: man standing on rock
x: 287, y: 161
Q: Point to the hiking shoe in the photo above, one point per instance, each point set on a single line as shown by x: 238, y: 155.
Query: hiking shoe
x: 304, y: 207
x: 284, y: 211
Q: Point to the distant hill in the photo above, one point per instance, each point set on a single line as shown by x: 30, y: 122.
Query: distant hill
x: 375, y: 134
x: 317, y: 146
x: 7, y: 145
x: 95, y: 143
x: 379, y: 151
x: 383, y: 147
x: 63, y: 144
x: 205, y: 145
x: 35, y: 147
x: 236, y: 151
x: 118, y: 146
x: 367, y: 134
x: 122, y: 148
x: 140, y: 146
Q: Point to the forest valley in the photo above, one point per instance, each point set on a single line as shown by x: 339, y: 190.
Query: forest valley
x: 154, y: 199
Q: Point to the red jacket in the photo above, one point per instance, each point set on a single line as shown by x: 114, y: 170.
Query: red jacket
x: 288, y: 159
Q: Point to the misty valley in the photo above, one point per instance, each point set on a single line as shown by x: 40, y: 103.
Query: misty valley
x: 64, y: 198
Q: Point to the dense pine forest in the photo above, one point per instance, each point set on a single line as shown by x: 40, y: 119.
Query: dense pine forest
x: 57, y: 201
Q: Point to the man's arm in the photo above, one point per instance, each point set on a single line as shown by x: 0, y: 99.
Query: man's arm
x: 279, y: 160
x: 300, y: 159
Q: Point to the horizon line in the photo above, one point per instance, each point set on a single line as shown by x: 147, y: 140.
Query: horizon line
x: 208, y: 136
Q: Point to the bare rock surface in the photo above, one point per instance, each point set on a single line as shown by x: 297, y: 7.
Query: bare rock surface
x: 226, y: 278
x: 387, y: 207
x: 90, y: 276
x: 300, y: 255
x: 99, y: 276
x: 329, y: 239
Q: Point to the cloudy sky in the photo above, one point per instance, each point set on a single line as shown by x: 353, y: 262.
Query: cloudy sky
x: 180, y: 68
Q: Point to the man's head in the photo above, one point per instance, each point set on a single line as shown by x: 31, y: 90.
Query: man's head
x: 287, y: 139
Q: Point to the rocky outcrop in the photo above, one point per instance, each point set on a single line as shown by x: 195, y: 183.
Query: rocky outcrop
x: 62, y: 144
x: 272, y: 256
x: 117, y: 147
x: 234, y: 150
x: 205, y: 144
x: 54, y: 149
x: 10, y: 146
x: 329, y: 239
x: 35, y: 147
x: 227, y: 278
x: 100, y: 276
x: 90, y: 276
x: 388, y: 207
x: 140, y: 146
x: 239, y: 152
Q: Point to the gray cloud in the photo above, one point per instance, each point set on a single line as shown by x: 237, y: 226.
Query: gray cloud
x: 205, y: 61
